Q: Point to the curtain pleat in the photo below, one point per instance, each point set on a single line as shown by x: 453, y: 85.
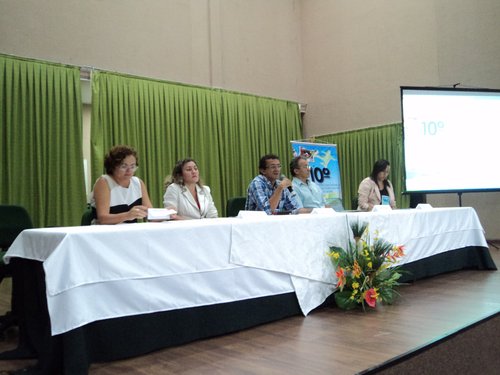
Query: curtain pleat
x: 358, y: 150
x: 225, y: 132
x: 41, y: 165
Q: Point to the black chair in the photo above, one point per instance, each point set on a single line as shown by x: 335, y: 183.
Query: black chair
x: 88, y: 216
x: 354, y: 202
x: 13, y: 220
x: 235, y: 205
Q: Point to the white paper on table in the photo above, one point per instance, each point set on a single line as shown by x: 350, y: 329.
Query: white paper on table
x: 251, y: 214
x: 160, y: 213
x: 381, y: 208
x: 323, y: 211
x: 424, y: 206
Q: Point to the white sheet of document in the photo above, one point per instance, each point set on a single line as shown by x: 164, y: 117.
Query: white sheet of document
x: 160, y: 213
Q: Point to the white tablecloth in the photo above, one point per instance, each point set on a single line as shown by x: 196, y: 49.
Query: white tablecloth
x: 297, y: 245
x: 100, y: 272
x: 425, y: 232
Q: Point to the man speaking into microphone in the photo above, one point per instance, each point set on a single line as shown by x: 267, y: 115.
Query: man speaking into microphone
x: 271, y: 191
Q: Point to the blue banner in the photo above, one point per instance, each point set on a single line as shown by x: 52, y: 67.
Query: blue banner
x: 325, y: 171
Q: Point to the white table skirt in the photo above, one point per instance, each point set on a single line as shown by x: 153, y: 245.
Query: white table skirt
x: 425, y: 232
x: 100, y: 272
x: 297, y: 245
x: 91, y: 302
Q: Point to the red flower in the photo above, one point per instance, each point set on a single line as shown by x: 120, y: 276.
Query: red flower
x: 371, y: 297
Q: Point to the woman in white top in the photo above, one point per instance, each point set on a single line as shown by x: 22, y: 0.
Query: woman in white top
x: 119, y: 196
x: 185, y: 193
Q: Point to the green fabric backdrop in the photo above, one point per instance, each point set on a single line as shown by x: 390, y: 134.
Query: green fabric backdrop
x: 358, y: 150
x: 41, y: 165
x: 225, y: 132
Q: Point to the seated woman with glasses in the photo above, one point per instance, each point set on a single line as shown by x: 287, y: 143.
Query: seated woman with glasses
x: 119, y: 196
x: 186, y: 194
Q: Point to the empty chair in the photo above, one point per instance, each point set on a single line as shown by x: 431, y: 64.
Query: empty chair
x: 87, y: 216
x: 235, y: 205
x: 13, y: 220
x: 354, y: 202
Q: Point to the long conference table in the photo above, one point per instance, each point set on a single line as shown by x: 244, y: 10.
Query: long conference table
x: 100, y: 293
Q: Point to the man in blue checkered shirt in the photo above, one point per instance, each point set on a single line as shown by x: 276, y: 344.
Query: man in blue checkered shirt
x: 268, y: 191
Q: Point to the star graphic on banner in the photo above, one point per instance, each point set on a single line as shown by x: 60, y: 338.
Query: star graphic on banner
x: 326, y: 159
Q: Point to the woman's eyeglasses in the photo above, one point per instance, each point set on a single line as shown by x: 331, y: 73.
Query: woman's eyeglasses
x: 126, y: 167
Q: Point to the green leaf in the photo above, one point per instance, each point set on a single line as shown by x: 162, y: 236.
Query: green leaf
x: 382, y: 247
x: 358, y: 228
x: 336, y: 249
x: 344, y: 301
x: 387, y: 295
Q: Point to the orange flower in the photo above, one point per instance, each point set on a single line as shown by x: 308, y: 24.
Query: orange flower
x: 371, y: 297
x: 399, y: 251
x: 341, y: 276
x: 356, y: 269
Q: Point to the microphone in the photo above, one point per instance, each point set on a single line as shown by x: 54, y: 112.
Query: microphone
x: 290, y: 189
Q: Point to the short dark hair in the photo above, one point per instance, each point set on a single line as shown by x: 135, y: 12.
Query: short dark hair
x: 294, y: 164
x: 263, y: 160
x: 116, y: 155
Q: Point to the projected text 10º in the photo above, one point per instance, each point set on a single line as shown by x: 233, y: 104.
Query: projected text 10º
x: 432, y: 127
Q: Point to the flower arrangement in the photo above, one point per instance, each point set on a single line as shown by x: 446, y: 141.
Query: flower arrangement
x: 366, y: 272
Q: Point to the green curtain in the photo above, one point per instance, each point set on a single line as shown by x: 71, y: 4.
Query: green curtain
x: 255, y: 126
x: 357, y: 152
x: 41, y: 140
x: 225, y: 132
